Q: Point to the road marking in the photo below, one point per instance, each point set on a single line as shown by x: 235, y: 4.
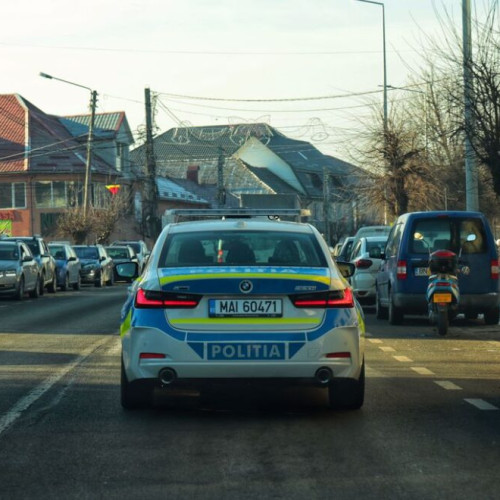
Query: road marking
x: 449, y: 386
x: 422, y: 371
x: 387, y: 349
x: 481, y: 404
x: 375, y: 341
x: 24, y: 403
x: 403, y: 359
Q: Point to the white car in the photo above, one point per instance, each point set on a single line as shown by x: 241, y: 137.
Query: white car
x: 240, y: 299
x: 366, y: 258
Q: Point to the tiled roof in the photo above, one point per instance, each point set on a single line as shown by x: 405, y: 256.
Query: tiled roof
x: 42, y: 138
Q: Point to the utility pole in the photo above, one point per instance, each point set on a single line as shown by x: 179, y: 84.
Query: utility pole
x: 471, y: 182
x: 326, y: 201
x: 221, y: 192
x: 150, y: 189
x: 88, y: 163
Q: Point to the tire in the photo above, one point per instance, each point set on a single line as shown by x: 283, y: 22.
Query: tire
x: 442, y: 321
x: 19, y: 294
x: 99, y: 283
x: 470, y: 315
x: 347, y: 394
x: 78, y: 284
x: 395, y: 314
x: 65, y: 285
x: 111, y: 280
x: 134, y: 396
x: 380, y: 312
x: 52, y: 288
x: 35, y: 293
x: 492, y: 316
x: 42, y: 285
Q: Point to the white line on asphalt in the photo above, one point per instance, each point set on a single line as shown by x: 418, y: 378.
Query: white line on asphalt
x: 375, y: 341
x: 403, y: 359
x: 449, y: 386
x: 422, y: 371
x: 387, y: 349
x: 24, y: 403
x: 481, y: 404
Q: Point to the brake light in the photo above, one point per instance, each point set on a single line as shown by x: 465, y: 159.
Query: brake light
x: 401, y: 273
x: 494, y: 269
x: 331, y: 299
x: 343, y: 355
x: 363, y: 263
x: 152, y: 355
x: 166, y: 300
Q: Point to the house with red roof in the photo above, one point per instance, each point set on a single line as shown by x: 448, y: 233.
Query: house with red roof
x: 43, y: 163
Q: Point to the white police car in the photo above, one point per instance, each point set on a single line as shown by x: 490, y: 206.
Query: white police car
x: 240, y: 299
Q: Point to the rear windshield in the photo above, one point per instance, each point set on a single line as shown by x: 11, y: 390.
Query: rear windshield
x: 118, y: 253
x: 9, y: 252
x: 448, y: 233
x: 242, y: 248
x: 87, y: 252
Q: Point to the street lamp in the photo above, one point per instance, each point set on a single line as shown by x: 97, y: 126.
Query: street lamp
x: 93, y: 103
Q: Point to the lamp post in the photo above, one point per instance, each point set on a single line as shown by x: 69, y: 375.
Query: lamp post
x: 93, y: 104
x: 385, y: 82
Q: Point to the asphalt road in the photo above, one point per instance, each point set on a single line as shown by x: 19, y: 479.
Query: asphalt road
x: 429, y: 429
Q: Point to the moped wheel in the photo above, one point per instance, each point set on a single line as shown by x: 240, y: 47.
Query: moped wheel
x: 442, y: 321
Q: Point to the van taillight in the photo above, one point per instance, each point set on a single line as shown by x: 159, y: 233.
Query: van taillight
x: 401, y: 273
x: 147, y: 299
x: 494, y: 269
x: 337, y: 298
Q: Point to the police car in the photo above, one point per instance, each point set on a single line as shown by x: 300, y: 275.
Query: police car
x: 242, y: 299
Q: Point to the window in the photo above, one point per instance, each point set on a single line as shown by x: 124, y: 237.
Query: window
x: 50, y: 194
x: 13, y: 195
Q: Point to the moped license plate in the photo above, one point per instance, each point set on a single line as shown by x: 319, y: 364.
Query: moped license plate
x: 441, y: 297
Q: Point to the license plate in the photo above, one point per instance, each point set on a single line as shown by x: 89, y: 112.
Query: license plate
x: 441, y: 297
x: 245, y: 308
x: 245, y: 351
x: 421, y: 271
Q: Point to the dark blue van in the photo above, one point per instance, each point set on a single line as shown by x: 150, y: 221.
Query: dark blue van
x: 401, y: 282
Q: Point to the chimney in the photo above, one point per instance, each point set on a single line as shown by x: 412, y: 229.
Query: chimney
x: 192, y: 173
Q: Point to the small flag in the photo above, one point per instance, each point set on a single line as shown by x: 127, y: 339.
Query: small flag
x: 113, y: 188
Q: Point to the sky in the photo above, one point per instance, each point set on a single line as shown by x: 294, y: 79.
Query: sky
x: 245, y: 62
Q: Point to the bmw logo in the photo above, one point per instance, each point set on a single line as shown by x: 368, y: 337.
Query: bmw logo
x: 246, y: 286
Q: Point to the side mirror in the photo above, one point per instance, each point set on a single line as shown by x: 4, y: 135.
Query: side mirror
x: 127, y: 270
x: 346, y: 268
x: 27, y: 258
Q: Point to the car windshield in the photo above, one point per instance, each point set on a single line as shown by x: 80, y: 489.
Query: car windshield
x: 57, y: 252
x: 118, y: 253
x: 9, y: 252
x: 87, y: 252
x: 242, y: 248
x: 35, y: 249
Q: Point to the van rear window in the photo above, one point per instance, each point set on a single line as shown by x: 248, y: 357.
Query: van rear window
x: 448, y: 233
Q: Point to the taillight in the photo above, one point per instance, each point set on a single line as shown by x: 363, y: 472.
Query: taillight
x: 494, y: 269
x: 401, y: 273
x: 363, y: 263
x: 337, y: 298
x: 154, y: 298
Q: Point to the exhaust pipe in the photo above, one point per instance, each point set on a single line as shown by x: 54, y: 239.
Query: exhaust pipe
x: 167, y: 376
x: 323, y: 375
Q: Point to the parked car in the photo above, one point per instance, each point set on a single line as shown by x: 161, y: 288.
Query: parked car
x: 120, y: 255
x: 140, y: 249
x: 366, y: 257
x: 345, y: 250
x: 68, y: 265
x: 45, y: 260
x: 225, y: 301
x: 19, y: 271
x: 401, y: 281
x: 97, y: 265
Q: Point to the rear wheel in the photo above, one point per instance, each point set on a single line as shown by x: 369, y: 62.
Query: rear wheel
x: 35, y: 293
x: 395, y: 314
x: 442, y: 321
x: 347, y: 394
x: 19, y: 295
x: 380, y: 312
x: 52, y: 288
x: 65, y: 285
x: 77, y: 285
x: 492, y: 316
x: 41, y: 287
x: 136, y: 395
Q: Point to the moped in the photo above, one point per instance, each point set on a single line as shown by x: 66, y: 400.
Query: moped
x: 443, y: 292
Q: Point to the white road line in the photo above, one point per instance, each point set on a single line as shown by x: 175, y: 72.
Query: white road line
x: 375, y: 341
x: 422, y: 371
x: 449, y: 386
x: 481, y: 404
x: 403, y: 359
x: 387, y: 349
x: 24, y: 403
